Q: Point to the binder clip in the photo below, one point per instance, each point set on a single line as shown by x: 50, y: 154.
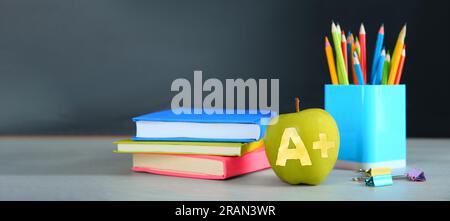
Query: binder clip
x: 372, y: 172
x: 416, y: 175
x: 376, y: 171
x: 379, y: 180
x: 375, y: 177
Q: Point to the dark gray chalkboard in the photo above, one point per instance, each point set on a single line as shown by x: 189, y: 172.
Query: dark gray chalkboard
x: 88, y: 66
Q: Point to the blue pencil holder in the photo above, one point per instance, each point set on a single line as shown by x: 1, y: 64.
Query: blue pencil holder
x: 372, y: 125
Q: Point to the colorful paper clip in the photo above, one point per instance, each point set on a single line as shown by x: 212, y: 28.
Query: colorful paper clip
x: 379, y: 180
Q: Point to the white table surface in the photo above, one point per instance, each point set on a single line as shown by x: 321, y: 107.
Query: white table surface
x: 84, y: 168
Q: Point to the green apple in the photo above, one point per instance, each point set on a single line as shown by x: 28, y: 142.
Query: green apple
x: 302, y: 147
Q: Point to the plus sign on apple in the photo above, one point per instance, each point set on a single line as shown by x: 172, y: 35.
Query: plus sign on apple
x: 323, y: 145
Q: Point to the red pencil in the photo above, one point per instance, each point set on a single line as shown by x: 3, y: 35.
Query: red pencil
x: 344, y: 50
x: 362, y: 42
x: 400, y: 66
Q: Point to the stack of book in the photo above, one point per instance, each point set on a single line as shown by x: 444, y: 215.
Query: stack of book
x: 205, y: 146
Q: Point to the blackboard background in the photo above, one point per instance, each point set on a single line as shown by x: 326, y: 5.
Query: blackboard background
x: 88, y: 66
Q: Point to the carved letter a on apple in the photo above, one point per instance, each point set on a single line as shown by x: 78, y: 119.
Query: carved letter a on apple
x: 297, y: 153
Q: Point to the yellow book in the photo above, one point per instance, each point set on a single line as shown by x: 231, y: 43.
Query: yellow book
x: 198, y: 148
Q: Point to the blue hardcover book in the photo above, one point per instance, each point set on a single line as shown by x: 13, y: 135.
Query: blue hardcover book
x: 168, y: 126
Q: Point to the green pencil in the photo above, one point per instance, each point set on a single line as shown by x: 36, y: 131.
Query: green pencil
x: 358, y: 47
x: 342, y: 73
x: 335, y: 38
x: 386, y: 68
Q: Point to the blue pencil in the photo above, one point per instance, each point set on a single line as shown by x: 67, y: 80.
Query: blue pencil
x: 374, y: 75
x: 349, y: 46
x: 374, y: 79
x: 380, y: 65
x: 358, y: 69
x: 377, y: 51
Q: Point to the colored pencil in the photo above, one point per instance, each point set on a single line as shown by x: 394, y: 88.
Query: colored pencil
x: 335, y: 39
x: 386, y: 68
x: 344, y: 71
x: 330, y: 59
x: 342, y: 74
x: 373, y: 76
x: 344, y: 50
x: 351, y: 42
x: 378, y: 74
x: 358, y: 69
x: 400, y: 66
x: 358, y: 48
x: 338, y: 28
x: 377, y: 50
x: 397, y: 55
x: 349, y: 49
x: 362, y: 43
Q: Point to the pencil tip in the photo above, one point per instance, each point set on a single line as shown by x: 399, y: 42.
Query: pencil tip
x: 403, y: 32
x: 381, y: 31
x: 362, y: 30
x: 355, y: 58
x: 327, y: 42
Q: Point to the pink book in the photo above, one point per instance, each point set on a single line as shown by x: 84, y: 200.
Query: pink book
x: 201, y: 166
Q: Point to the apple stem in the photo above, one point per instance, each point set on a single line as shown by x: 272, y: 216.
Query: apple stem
x: 297, y: 104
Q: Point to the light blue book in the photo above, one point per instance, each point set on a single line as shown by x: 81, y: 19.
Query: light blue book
x: 168, y: 126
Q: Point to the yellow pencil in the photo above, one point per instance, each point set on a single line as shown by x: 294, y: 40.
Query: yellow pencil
x: 396, y: 55
x: 330, y: 59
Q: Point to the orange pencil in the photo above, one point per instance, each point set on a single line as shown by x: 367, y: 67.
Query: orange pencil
x: 400, y: 66
x: 351, y: 41
x: 396, y: 55
x: 331, y: 64
x: 362, y: 42
x: 344, y: 50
